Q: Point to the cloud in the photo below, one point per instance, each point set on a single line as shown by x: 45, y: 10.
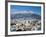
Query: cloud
x: 16, y: 12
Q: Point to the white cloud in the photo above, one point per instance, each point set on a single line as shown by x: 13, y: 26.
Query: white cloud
x: 22, y: 12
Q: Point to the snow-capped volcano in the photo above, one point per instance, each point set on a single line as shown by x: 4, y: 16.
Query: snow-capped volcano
x: 25, y: 15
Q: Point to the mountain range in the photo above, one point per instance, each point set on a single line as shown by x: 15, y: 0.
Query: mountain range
x: 25, y: 16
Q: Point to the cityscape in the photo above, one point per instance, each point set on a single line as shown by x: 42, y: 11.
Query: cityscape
x: 25, y: 18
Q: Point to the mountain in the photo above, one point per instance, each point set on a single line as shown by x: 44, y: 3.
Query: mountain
x: 25, y: 16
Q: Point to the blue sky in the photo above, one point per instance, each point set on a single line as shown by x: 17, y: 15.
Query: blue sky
x: 17, y: 8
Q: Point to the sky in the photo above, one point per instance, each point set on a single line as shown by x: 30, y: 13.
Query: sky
x: 23, y: 9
